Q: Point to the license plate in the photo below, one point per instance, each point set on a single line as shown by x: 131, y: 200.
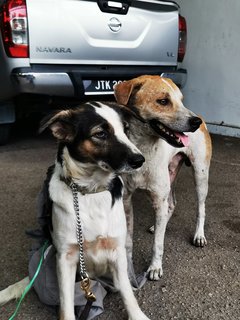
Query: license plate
x: 95, y: 87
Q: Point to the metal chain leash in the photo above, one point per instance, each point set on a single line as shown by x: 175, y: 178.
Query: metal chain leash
x: 85, y: 280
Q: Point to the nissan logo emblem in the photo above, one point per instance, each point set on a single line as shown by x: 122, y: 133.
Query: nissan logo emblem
x: 114, y: 24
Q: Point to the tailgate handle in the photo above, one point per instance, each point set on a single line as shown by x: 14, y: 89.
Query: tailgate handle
x: 114, y: 6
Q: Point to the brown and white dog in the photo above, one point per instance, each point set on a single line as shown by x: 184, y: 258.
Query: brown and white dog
x: 93, y: 150
x: 157, y: 103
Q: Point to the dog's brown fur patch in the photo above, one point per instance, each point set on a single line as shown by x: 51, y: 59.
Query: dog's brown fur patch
x: 208, y: 141
x: 101, y: 243
x: 72, y: 250
x: 88, y: 147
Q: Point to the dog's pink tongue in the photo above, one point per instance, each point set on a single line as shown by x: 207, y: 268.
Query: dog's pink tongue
x: 184, y: 139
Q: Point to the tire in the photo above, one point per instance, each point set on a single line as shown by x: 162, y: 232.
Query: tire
x: 5, y: 130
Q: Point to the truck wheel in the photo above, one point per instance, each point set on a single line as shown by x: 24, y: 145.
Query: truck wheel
x: 4, y: 133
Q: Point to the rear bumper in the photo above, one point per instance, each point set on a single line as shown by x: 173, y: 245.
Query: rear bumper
x: 57, y: 81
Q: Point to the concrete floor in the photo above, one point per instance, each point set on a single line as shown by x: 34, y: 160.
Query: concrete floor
x: 197, y: 284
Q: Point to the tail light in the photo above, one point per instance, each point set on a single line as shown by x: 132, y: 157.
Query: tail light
x: 15, y: 28
x: 182, y: 38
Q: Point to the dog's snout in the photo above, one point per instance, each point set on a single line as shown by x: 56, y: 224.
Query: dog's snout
x: 136, y: 160
x: 195, y: 123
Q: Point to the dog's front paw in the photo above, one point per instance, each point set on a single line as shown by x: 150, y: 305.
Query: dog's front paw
x: 199, y: 240
x: 155, y: 273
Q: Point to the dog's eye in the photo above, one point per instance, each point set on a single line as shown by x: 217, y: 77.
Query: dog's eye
x: 101, y: 135
x: 163, y: 102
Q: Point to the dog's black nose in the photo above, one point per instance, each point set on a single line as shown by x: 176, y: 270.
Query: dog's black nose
x: 136, y: 160
x: 195, y: 123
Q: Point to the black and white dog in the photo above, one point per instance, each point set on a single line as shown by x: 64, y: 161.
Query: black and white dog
x: 93, y: 150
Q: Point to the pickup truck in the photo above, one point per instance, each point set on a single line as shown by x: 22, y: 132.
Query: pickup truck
x: 81, y: 48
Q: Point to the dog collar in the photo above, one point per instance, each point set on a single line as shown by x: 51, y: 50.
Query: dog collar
x: 83, y: 190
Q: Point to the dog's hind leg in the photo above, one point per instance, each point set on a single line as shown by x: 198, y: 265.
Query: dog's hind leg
x: 14, y: 291
x: 66, y: 273
x: 120, y: 278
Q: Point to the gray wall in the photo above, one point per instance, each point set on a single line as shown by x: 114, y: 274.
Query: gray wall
x: 213, y: 62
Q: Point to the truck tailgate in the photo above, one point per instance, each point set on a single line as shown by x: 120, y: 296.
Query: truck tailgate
x: 78, y: 32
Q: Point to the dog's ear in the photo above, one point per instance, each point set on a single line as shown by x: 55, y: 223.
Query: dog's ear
x: 61, y: 125
x: 122, y: 92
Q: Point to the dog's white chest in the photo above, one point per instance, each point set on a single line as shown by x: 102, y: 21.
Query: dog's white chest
x: 99, y: 218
